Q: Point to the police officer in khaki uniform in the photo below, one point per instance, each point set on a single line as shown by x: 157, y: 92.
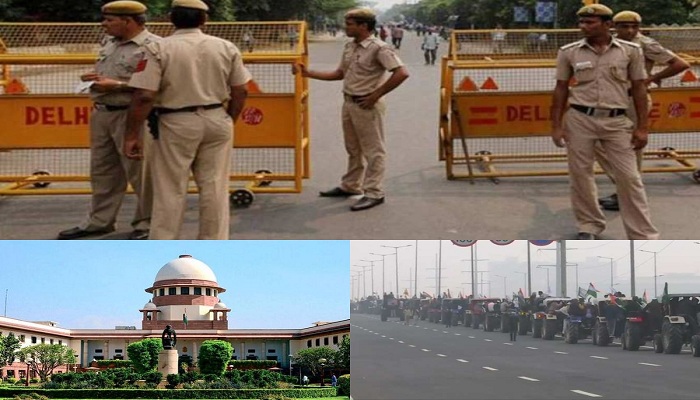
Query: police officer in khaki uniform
x: 364, y: 62
x: 196, y: 83
x: 627, y: 28
x: 603, y: 67
x: 124, y: 23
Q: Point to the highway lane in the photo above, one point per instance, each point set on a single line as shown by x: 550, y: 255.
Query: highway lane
x: 453, y: 358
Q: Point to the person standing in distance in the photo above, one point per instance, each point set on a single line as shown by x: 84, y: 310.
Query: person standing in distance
x: 364, y: 62
x: 196, y: 84
x: 110, y: 171
x: 627, y: 28
x: 603, y: 67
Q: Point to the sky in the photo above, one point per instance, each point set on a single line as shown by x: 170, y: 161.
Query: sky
x: 676, y: 260
x: 100, y: 284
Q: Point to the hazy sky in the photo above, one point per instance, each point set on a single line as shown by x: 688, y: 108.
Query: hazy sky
x: 676, y: 260
x: 100, y: 283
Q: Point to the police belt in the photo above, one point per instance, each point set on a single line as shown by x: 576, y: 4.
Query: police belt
x: 354, y: 98
x: 107, y: 107
x: 162, y: 111
x: 599, y: 112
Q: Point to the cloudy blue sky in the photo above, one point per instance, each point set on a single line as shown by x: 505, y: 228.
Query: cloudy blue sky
x: 100, y: 283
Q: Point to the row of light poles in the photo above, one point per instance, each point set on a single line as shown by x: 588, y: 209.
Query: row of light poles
x: 371, y: 267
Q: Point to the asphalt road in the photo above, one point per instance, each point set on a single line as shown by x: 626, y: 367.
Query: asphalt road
x: 421, y: 203
x: 428, y: 361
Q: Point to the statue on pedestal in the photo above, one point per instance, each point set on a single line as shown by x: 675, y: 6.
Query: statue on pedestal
x: 169, y: 338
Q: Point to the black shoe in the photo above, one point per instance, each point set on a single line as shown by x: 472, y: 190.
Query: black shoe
x: 139, y: 234
x: 585, y: 236
x: 365, y: 203
x: 610, y: 203
x: 336, y: 192
x: 78, y: 232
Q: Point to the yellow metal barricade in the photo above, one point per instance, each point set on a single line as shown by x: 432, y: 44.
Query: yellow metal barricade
x: 44, y: 136
x: 495, y: 107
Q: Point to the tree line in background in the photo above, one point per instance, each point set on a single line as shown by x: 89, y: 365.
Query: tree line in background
x: 485, y: 14
x: 220, y: 10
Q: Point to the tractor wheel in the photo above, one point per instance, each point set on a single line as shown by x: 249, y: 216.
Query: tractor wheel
x: 623, y: 340
x: 658, y: 343
x: 633, y: 336
x: 603, y: 336
x: 467, y: 320
x: 475, y: 321
x: 385, y: 315
x: 537, y: 329
x: 571, y: 334
x: 695, y: 345
x: 672, y: 338
x: 488, y: 324
x: 550, y: 327
x: 505, y: 328
x: 522, y: 325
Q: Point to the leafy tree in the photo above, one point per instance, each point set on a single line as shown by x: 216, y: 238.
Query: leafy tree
x: 309, y: 358
x: 144, y: 354
x: 44, y: 358
x: 214, y: 356
x: 342, y: 357
x: 9, y: 345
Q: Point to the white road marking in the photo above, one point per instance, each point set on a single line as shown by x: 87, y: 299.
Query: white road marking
x: 488, y: 340
x: 508, y: 344
x: 383, y: 336
x: 586, y: 393
x: 471, y: 337
x: 599, y: 357
x: 489, y: 368
x: 647, y: 347
x: 434, y: 330
x: 391, y: 338
x: 370, y: 331
x: 561, y: 352
x: 462, y: 361
x: 425, y: 349
x: 531, y: 348
x: 410, y: 345
x: 425, y: 328
x: 400, y: 341
x: 529, y: 379
x: 650, y: 364
x: 376, y: 333
x: 444, y: 331
x: 441, y: 355
x: 458, y: 334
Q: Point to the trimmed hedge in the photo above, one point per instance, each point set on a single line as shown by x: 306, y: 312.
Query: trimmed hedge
x: 113, y: 363
x: 169, y: 394
x: 344, y: 385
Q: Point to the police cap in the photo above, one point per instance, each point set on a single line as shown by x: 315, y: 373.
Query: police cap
x: 627, y: 16
x: 196, y: 4
x: 361, y: 14
x: 124, y: 7
x: 595, y: 10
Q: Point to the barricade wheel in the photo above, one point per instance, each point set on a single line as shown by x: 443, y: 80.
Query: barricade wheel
x: 242, y: 198
x: 667, y: 149
x: 696, y: 175
x: 40, y: 184
x: 263, y: 172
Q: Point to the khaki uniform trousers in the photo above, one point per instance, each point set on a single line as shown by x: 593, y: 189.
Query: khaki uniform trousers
x: 363, y: 131
x: 600, y: 152
x: 110, y: 172
x: 198, y: 142
x: 614, y: 134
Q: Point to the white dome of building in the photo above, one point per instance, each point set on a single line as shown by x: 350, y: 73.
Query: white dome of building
x: 186, y: 267
x: 220, y: 306
x: 150, y: 306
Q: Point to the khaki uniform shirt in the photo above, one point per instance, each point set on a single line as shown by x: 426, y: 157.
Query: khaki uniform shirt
x: 654, y: 52
x: 365, y: 63
x: 119, y: 61
x: 602, y: 79
x: 190, y: 68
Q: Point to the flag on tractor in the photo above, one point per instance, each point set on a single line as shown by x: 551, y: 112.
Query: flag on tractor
x: 582, y: 292
x: 644, y: 296
x: 665, y: 298
x: 613, y: 299
x: 521, y: 293
x: 592, y: 291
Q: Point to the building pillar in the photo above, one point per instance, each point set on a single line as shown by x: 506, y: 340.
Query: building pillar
x: 83, y: 358
x: 106, y: 350
x: 264, y: 350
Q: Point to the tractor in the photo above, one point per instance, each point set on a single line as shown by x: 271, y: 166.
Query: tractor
x: 679, y: 326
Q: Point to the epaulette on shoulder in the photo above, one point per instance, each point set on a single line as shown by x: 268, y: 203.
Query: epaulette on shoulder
x: 570, y: 45
x: 628, y: 43
x: 153, y: 48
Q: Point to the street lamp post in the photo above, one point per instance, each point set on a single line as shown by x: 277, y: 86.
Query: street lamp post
x: 611, y: 270
x: 396, y: 249
x: 655, y: 252
x: 543, y: 266
x: 383, y: 264
x: 505, y: 292
x: 372, y: 270
x: 364, y: 279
